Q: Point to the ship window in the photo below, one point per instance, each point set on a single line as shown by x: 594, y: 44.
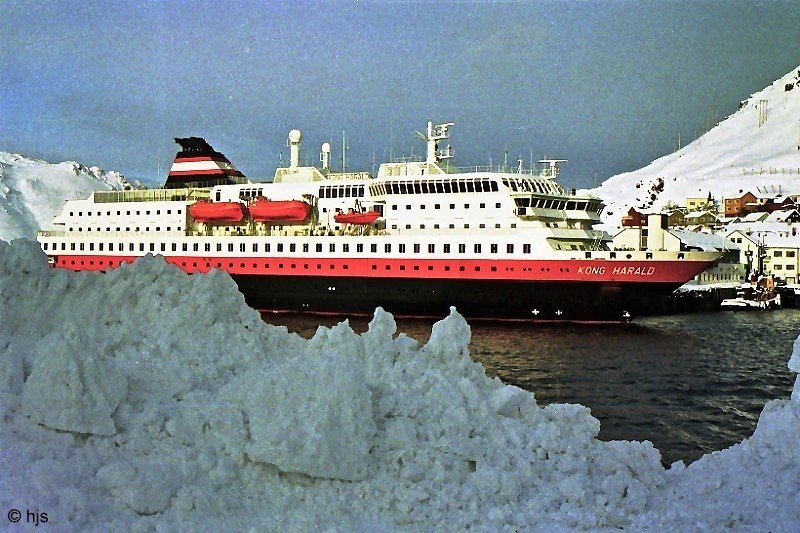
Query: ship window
x: 292, y: 247
x: 152, y: 247
x: 279, y: 247
x: 477, y: 248
x: 305, y: 247
x: 613, y: 255
x: 436, y: 226
x: 334, y: 192
x: 417, y: 188
x: 497, y: 226
x: 408, y: 226
x: 359, y: 248
x: 416, y: 248
x: 345, y: 247
x: 401, y: 248
x: 230, y: 247
x: 448, y: 187
x: 446, y: 248
x: 241, y: 247
x: 195, y: 247
x: 373, y: 248
x: 387, y: 248
x: 332, y: 247
x: 141, y: 247
x: 266, y: 247
x: 394, y: 207
x: 255, y: 247
x: 431, y: 248
x: 466, y: 206
x: 462, y: 248
x: 470, y: 186
x: 509, y: 248
x: 44, y: 246
x: 319, y: 247
x: 408, y: 206
x: 493, y: 248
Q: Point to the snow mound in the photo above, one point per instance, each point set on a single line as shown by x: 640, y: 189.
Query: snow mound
x: 146, y: 398
x: 756, y: 149
x: 32, y: 191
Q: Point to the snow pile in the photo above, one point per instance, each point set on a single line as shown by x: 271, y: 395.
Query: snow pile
x: 148, y: 398
x: 32, y: 192
x: 756, y: 149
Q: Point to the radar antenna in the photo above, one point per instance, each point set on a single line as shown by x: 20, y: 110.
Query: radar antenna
x: 435, y: 134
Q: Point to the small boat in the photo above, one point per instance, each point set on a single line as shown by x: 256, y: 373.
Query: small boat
x: 751, y: 297
x: 266, y: 210
x: 205, y: 210
x: 354, y: 217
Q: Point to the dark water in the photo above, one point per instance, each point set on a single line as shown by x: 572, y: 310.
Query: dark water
x: 691, y: 384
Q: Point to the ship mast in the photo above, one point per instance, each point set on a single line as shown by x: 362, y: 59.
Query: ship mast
x: 435, y: 134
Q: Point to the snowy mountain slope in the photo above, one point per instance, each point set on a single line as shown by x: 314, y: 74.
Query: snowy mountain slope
x: 755, y: 149
x: 33, y: 191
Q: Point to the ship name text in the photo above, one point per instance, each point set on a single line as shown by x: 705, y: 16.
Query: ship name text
x: 618, y: 270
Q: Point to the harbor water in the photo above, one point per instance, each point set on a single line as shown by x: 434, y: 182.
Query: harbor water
x: 690, y: 383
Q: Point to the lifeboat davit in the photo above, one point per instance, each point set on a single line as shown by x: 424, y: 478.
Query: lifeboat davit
x: 207, y: 211
x: 266, y: 210
x: 363, y: 218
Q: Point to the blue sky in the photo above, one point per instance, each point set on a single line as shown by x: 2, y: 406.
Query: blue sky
x: 607, y: 85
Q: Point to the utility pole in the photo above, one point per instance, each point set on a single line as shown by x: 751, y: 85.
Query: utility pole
x: 762, y: 112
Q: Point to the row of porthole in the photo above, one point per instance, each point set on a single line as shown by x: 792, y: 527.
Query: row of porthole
x: 447, y: 268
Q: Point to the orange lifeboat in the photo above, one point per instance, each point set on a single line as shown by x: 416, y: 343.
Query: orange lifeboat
x: 266, y: 210
x: 354, y: 217
x: 205, y: 210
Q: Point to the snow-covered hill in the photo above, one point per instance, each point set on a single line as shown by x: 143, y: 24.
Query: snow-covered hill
x: 755, y: 149
x: 33, y: 191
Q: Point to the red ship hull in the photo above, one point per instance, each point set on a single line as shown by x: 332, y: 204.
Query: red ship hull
x: 564, y: 290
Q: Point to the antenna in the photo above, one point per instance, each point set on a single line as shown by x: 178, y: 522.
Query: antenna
x: 344, y: 152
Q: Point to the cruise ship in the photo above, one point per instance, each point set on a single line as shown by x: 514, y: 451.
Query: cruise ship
x: 417, y: 238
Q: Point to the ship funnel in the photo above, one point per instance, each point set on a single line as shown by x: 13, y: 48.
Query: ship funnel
x: 294, y: 148
x: 199, y: 165
x: 325, y: 156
